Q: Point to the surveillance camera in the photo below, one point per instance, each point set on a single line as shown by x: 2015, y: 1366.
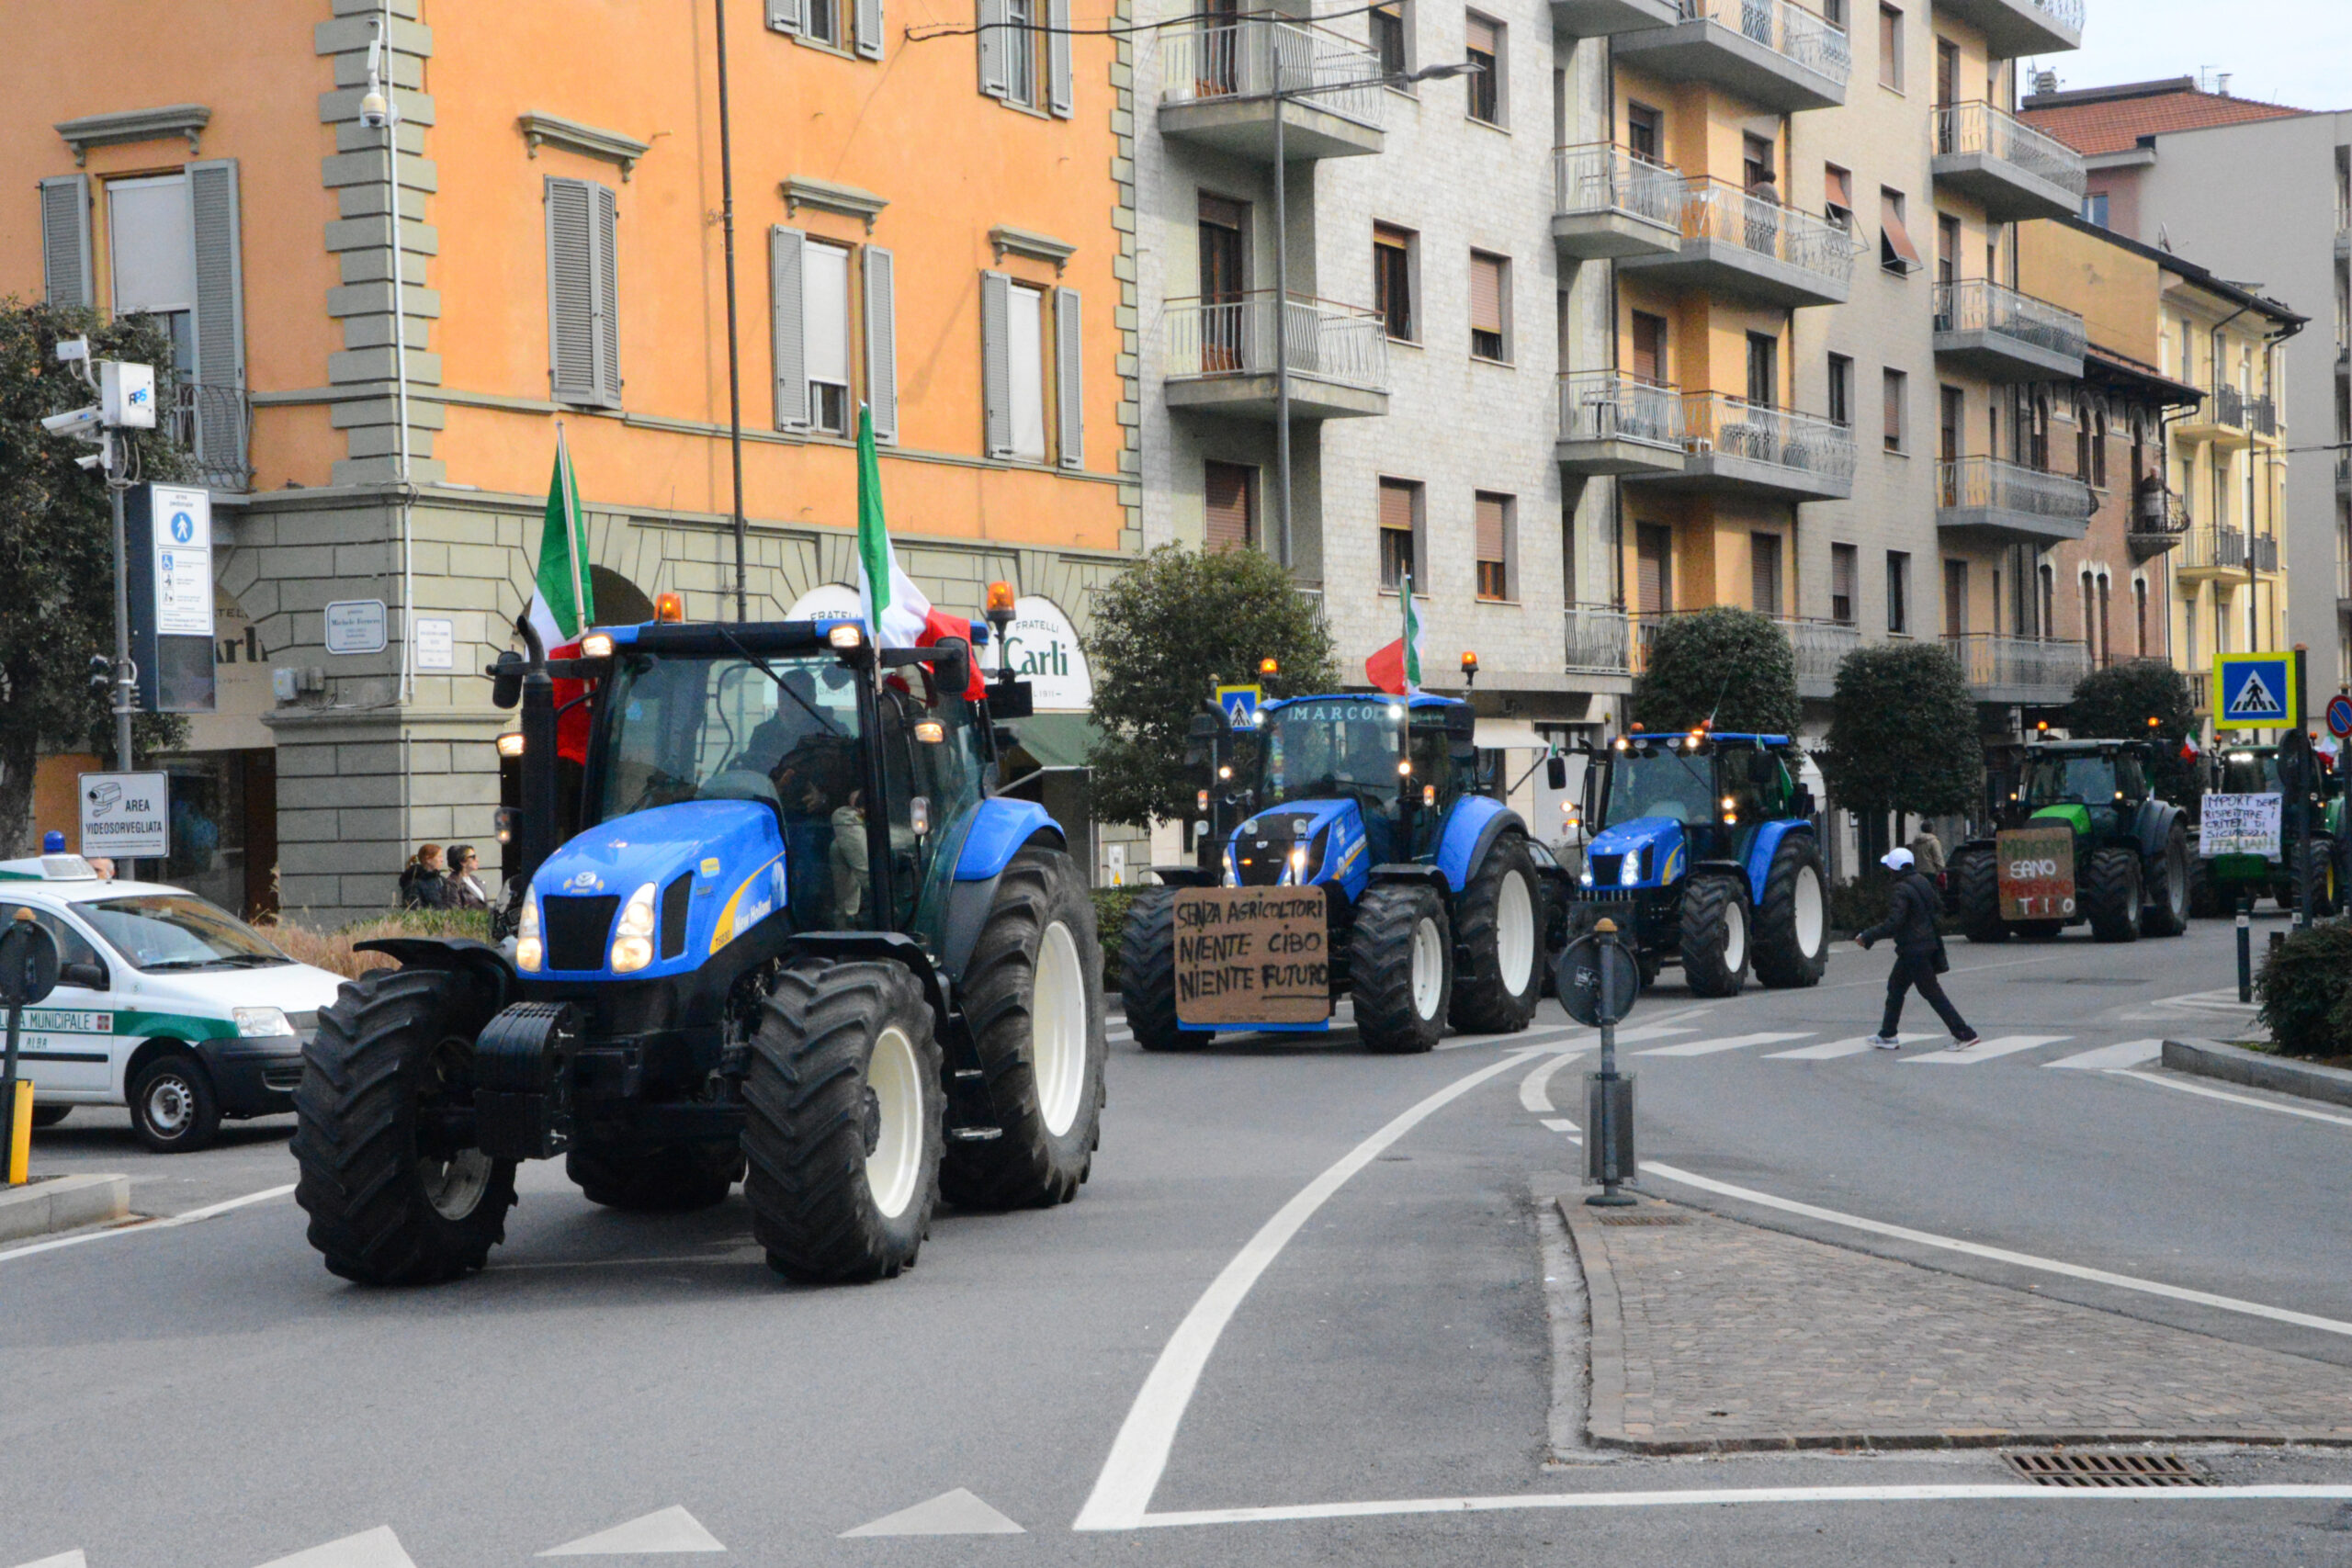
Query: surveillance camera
x: 73, y: 421
x: 375, y: 110
x: 71, y: 349
x: 92, y: 463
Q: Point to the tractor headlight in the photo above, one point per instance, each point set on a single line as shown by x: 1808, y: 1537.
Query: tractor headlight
x: 254, y: 1023
x: 527, y: 949
x: 1629, y: 870
x: 1298, y: 863
x: 633, y: 939
x: 1585, y: 876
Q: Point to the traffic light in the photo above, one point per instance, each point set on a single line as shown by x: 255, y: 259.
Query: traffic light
x: 101, y: 674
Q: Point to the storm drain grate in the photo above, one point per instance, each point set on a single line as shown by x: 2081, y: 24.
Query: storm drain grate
x: 2107, y: 1469
x: 1642, y: 1219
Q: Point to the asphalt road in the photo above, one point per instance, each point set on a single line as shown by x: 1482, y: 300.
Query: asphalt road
x: 1301, y: 1278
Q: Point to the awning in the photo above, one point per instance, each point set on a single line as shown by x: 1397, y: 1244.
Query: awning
x: 1056, y: 740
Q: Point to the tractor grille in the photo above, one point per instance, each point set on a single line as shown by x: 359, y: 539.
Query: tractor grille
x: 577, y: 929
x: 2107, y: 1469
x: 1605, y: 870
x: 1262, y: 860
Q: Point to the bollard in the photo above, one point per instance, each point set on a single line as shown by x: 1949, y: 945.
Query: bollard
x: 1609, y: 1131
x: 27, y: 973
x: 2246, y: 958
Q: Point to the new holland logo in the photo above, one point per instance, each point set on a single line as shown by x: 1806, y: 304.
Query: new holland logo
x: 2255, y: 699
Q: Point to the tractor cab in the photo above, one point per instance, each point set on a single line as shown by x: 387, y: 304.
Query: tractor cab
x: 1656, y: 803
x: 2092, y: 786
x: 1343, y: 784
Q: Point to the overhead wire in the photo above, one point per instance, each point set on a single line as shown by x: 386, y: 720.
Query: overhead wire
x: 925, y: 32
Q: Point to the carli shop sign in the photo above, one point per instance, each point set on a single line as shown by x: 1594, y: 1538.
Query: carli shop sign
x: 1041, y: 646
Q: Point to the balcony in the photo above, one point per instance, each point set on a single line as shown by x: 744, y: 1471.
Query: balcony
x: 1818, y: 648
x: 1733, y: 447
x: 2019, y: 669
x: 2011, y: 170
x: 1217, y: 87
x: 214, y: 426
x: 2006, y: 336
x: 1744, y: 247
x: 2159, y: 522
x: 1598, y: 640
x: 2015, y: 27
x: 1774, y: 53
x: 1615, y: 423
x: 1993, y: 502
x: 1599, y: 19
x: 2230, y: 418
x: 1606, y: 202
x: 2210, y: 552
x: 1220, y: 357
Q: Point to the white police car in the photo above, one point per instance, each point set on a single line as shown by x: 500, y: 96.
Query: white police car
x: 163, y: 1003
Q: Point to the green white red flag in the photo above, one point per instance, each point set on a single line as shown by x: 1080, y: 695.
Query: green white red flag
x: 563, y: 603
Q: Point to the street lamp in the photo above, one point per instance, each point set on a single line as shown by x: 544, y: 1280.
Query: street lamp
x: 1282, y: 262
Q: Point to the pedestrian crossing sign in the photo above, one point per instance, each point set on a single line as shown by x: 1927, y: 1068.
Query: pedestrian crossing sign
x: 1241, y: 704
x: 2256, y: 691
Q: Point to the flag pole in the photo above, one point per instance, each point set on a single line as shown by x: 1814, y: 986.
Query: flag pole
x: 574, y: 526
x: 734, y: 364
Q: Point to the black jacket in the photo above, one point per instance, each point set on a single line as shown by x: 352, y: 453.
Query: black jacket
x: 1911, y: 911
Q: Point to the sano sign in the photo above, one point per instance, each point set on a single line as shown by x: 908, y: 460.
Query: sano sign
x: 1041, y: 646
x: 2036, y: 868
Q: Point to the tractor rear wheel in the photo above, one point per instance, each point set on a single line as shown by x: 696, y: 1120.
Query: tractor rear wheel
x: 2166, y: 911
x: 1400, y: 969
x: 1497, y: 943
x: 1976, y: 888
x: 2110, y: 894
x: 390, y: 1202
x: 2204, y: 897
x: 1792, y: 921
x: 1715, y: 936
x: 843, y: 1121
x: 1147, y: 974
x: 1033, y: 995
x: 655, y: 1178
x: 2323, y: 888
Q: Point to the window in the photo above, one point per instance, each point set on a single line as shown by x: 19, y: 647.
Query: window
x: 1947, y: 249
x: 1898, y: 593
x: 1490, y: 307
x: 1845, y: 568
x: 1223, y: 232
x: 1653, y: 568
x: 1388, y: 38
x: 584, y: 293
x: 1756, y: 165
x: 2095, y: 209
x: 1890, y: 48
x: 2099, y: 451
x: 1955, y: 598
x: 1021, y: 53
x: 2090, y: 619
x: 1400, y: 527
x: 835, y: 24
x: 2049, y: 601
x: 1948, y: 74
x: 1841, y: 390
x: 1763, y: 370
x: 1764, y: 574
x: 1027, y: 342
x: 1229, y: 493
x: 1896, y: 252
x: 1649, y: 348
x: 150, y: 234
x: 1838, y: 195
x: 1834, y: 12
x: 1899, y: 395
x: 1645, y: 132
x: 1483, y: 43
x: 1392, y: 280
x: 1014, y: 35
x: 2139, y: 611
x: 1953, y: 404
x: 824, y: 314
x: 822, y: 21
x: 1014, y: 344
x: 1494, y: 529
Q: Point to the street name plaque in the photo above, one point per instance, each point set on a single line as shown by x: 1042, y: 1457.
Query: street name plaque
x: 1252, y: 955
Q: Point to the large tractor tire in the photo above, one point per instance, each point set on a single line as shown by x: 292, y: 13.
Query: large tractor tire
x: 387, y: 1205
x: 1032, y: 994
x: 655, y: 1178
x: 1975, y: 878
x: 1400, y: 969
x: 2204, y: 893
x: 1792, y: 921
x: 1715, y: 945
x: 1499, y: 943
x: 2326, y: 896
x: 2110, y: 894
x: 843, y: 1121
x: 1147, y: 974
x: 2165, y: 913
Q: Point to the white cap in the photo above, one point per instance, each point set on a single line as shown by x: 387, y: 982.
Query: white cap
x: 1895, y: 859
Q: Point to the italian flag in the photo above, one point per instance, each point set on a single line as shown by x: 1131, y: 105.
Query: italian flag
x: 1396, y: 668
x: 899, y: 612
x: 563, y: 603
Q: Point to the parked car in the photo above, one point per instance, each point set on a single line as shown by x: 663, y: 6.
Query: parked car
x: 164, y: 1003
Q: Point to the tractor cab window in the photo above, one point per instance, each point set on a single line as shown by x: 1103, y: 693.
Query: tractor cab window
x: 2130, y: 780
x: 2250, y: 772
x: 1669, y: 782
x: 2070, y: 781
x: 1330, y: 750
x: 930, y: 751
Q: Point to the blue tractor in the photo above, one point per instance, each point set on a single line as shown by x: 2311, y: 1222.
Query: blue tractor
x: 1435, y: 904
x: 1703, y: 851
x: 790, y: 935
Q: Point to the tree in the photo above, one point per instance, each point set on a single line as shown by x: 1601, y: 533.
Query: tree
x: 2116, y: 703
x: 1165, y: 632
x: 57, y: 548
x: 1903, y: 734
x: 1734, y: 666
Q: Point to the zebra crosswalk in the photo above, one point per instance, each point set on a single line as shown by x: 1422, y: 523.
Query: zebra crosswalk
x: 2119, y: 1056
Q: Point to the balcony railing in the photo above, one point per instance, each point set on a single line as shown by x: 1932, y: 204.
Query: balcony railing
x: 1735, y: 428
x: 1990, y: 662
x: 1338, y: 343
x: 1978, y: 305
x: 1787, y: 29
x: 1989, y: 483
x: 2226, y: 405
x: 2212, y: 549
x: 1598, y: 639
x: 214, y: 425
x: 1607, y: 405
x: 1714, y: 210
x: 1978, y: 127
x: 1253, y: 57
x: 1816, y: 647
x: 1601, y: 177
x: 2262, y: 416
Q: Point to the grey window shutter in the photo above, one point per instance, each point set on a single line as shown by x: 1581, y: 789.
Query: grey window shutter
x: 869, y: 28
x: 1069, y: 361
x: 1058, y: 98
x: 783, y: 15
x: 785, y: 304
x: 572, y: 292
x: 992, y: 47
x: 65, y: 239
x: 996, y: 361
x: 220, y: 309
x: 882, y: 341
x: 606, y: 213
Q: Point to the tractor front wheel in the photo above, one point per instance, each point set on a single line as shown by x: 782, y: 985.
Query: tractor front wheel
x: 1498, y: 938
x: 655, y: 1178
x: 2110, y: 892
x: 1715, y: 936
x: 1792, y: 921
x: 2166, y: 911
x: 1400, y: 968
x: 1976, y: 888
x: 1147, y: 974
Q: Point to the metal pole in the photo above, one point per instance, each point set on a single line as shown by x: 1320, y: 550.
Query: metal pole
x: 1282, y: 310
x: 400, y: 363
x: 734, y: 360
x: 2245, y: 955
x: 1604, y: 1122
x: 126, y: 690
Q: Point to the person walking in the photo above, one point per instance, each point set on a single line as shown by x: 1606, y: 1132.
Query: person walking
x: 1927, y: 854
x: 465, y: 889
x: 1911, y: 910
x: 422, y: 884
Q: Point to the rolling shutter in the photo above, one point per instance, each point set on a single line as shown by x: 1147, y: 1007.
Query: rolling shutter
x: 882, y: 341
x: 783, y: 15
x: 1070, y: 371
x: 1397, y: 505
x: 992, y: 47
x: 1059, y: 91
x: 869, y: 28
x: 1490, y: 528
x: 996, y: 362
x: 785, y: 307
x: 1486, y: 294
x: 65, y: 239
x: 1226, y: 506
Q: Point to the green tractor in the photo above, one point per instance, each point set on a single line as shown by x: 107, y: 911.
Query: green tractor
x: 2223, y: 883
x: 2081, y: 839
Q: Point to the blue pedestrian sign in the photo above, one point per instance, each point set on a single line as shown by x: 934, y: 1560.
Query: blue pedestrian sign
x: 2339, y: 717
x: 2256, y: 691
x: 1240, y: 705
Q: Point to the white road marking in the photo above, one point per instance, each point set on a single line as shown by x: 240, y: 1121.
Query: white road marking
x: 950, y: 1512
x: 1834, y: 1049
x: 2233, y: 1098
x: 1717, y: 1496
x: 1730, y: 1043
x: 2001, y: 1255
x: 1122, y: 1493
x: 2106, y: 1058
x: 1532, y: 1088
x: 1652, y: 1032
x: 62, y: 1559
x: 1986, y: 1049
x: 2207, y: 1001
x: 191, y: 1217
x: 671, y: 1529
x: 1559, y: 1124
x: 377, y: 1548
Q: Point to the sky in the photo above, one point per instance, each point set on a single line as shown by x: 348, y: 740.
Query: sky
x: 2286, y: 51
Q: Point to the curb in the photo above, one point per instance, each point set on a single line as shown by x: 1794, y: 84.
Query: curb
x: 49, y: 1204
x: 2208, y: 1059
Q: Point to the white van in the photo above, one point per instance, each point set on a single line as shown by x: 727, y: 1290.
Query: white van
x: 164, y: 1004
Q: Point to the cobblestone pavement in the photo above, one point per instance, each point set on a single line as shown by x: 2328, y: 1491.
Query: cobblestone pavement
x: 1710, y: 1335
